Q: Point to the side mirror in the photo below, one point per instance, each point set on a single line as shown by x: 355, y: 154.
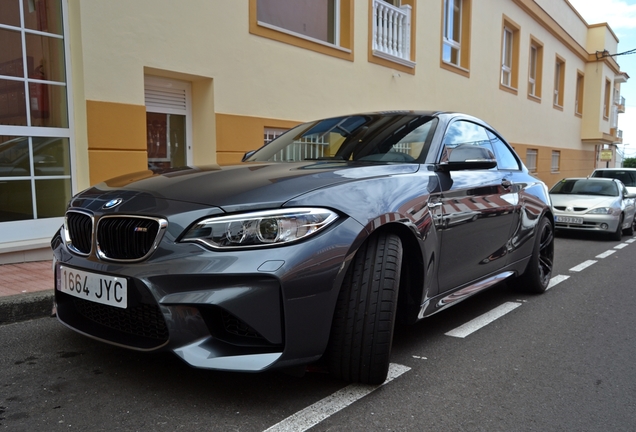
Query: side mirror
x: 247, y: 155
x: 469, y: 157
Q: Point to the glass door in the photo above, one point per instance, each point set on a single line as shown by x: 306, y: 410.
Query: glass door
x: 166, y: 140
x: 168, y: 123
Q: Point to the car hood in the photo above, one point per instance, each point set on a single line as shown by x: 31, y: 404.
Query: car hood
x: 241, y: 187
x: 586, y: 201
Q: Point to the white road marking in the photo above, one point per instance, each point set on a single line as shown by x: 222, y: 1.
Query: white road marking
x: 583, y: 265
x: 483, y: 320
x: 556, y: 280
x: 605, y: 254
x: 314, y: 414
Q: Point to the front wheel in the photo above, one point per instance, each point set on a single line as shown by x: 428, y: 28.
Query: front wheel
x: 618, y: 234
x: 537, y: 275
x: 362, y: 330
x: 630, y: 231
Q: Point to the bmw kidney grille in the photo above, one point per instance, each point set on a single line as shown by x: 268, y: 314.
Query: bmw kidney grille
x: 118, y: 238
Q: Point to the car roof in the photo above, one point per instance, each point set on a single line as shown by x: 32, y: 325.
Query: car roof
x: 590, y: 178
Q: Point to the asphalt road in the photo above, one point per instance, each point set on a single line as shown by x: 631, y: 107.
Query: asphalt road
x: 561, y: 361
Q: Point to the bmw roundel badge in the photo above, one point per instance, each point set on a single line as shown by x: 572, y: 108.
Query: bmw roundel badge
x: 113, y: 203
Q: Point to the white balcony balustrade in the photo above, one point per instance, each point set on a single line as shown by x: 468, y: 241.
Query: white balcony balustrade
x: 621, y: 104
x: 392, y: 32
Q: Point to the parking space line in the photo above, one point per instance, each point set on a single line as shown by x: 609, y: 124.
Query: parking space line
x: 556, y: 280
x: 483, y: 320
x: 314, y: 414
x: 621, y: 246
x: 605, y: 254
x: 631, y: 240
x: 583, y: 265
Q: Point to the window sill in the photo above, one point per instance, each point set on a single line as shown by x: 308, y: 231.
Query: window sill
x: 508, y: 89
x: 299, y: 40
x: 534, y: 98
x: 454, y: 68
x: 557, y: 107
x: 385, y: 56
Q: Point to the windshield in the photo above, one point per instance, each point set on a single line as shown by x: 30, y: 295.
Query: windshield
x: 395, y: 137
x: 627, y: 177
x: 585, y: 187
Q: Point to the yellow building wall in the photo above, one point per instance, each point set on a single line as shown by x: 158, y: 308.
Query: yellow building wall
x: 243, y: 82
x: 573, y: 163
x: 116, y: 139
x: 237, y: 135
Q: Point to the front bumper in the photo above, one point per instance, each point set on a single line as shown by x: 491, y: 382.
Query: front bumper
x: 246, y: 311
x: 591, y: 222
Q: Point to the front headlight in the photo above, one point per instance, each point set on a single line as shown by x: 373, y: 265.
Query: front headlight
x: 265, y: 228
x: 602, y: 210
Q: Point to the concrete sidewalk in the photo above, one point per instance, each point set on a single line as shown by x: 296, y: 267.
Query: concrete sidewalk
x: 26, y: 291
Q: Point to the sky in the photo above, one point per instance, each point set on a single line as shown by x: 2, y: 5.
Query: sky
x: 621, y: 17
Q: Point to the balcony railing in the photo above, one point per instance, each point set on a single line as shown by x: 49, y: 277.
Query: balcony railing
x: 392, y: 32
x: 621, y: 104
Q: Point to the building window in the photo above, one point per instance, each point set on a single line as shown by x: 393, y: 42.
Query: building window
x: 506, y: 58
x: 270, y: 133
x: 580, y: 86
x: 35, y: 130
x: 391, y: 27
x: 316, y: 19
x: 556, y: 159
x: 607, y: 99
x: 456, y: 35
x: 535, y: 67
x: 559, y: 82
x: 324, y: 26
x: 510, y: 55
x: 531, y: 159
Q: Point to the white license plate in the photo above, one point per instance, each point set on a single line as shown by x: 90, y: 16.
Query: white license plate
x: 93, y: 287
x: 570, y: 220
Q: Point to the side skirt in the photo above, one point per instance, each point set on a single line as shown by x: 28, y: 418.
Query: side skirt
x: 436, y: 304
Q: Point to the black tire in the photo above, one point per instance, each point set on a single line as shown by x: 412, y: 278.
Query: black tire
x: 537, y: 275
x: 362, y: 330
x: 618, y: 234
x: 630, y: 231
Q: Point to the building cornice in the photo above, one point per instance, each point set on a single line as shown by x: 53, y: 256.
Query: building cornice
x: 535, y: 11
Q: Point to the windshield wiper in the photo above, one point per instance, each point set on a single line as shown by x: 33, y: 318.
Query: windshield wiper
x: 338, y: 158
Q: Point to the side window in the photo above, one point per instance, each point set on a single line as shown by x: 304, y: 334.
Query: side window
x: 413, y: 143
x: 462, y: 133
x: 506, y: 159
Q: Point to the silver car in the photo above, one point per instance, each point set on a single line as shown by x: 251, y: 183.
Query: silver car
x: 593, y: 204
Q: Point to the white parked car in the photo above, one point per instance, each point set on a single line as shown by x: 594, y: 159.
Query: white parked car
x: 626, y: 175
x: 593, y: 204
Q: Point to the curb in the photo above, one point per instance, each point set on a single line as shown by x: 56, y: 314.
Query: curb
x: 23, y: 307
